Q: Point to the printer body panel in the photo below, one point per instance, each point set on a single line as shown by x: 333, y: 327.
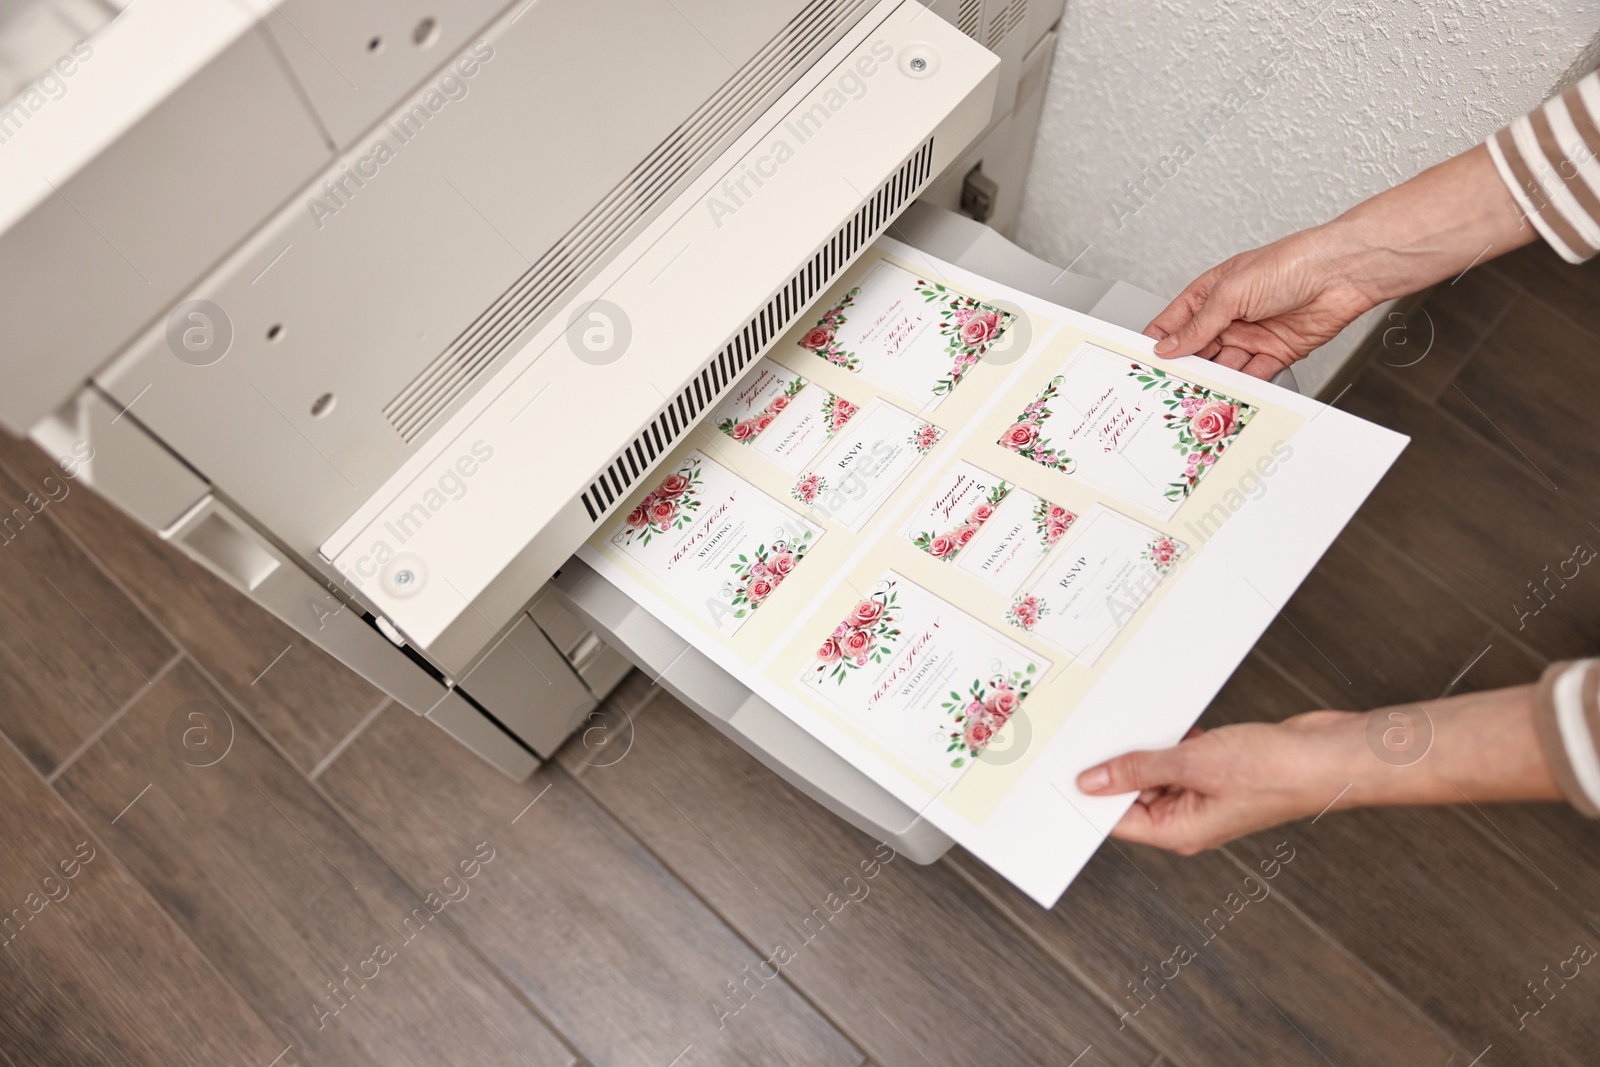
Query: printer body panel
x: 386, y: 307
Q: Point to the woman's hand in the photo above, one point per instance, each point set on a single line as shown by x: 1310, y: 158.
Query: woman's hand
x: 1216, y: 785
x: 1264, y: 309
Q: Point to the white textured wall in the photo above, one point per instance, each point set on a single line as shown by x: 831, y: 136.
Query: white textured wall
x: 1363, y: 94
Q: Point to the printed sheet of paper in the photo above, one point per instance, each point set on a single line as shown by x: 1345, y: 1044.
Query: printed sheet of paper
x: 926, y: 678
x: 1096, y: 580
x: 1062, y: 563
x: 913, y: 335
x: 719, y: 544
x: 1128, y: 428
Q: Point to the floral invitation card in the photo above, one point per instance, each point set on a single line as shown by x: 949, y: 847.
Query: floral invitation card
x: 779, y: 415
x: 719, y: 544
x: 869, y: 458
x: 1095, y: 583
x: 1131, y: 429
x: 972, y: 577
x: 963, y: 501
x: 926, y: 678
x: 1011, y: 543
x: 912, y: 335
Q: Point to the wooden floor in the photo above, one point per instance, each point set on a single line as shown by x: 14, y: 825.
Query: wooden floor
x: 345, y: 886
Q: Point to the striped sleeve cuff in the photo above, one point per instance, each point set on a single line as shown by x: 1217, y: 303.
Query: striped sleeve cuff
x: 1548, y: 159
x: 1567, y: 716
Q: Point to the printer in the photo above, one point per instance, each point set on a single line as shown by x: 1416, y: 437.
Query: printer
x: 378, y: 310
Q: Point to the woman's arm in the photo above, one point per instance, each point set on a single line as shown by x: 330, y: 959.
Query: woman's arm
x: 1220, y: 784
x: 1263, y: 309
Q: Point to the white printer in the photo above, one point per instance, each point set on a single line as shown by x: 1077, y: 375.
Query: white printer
x: 379, y: 309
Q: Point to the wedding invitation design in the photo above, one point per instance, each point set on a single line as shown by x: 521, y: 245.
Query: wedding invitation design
x: 719, y: 544
x: 1130, y: 429
x: 964, y: 500
x: 933, y: 683
x: 869, y: 459
x: 909, y: 334
x: 1094, y: 583
x: 1014, y: 539
x: 781, y: 416
x: 1064, y: 565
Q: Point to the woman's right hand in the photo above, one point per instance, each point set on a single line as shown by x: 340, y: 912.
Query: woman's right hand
x: 1264, y: 309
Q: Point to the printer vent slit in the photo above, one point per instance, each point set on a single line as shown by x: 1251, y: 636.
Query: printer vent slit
x: 752, y: 339
x: 969, y: 17
x: 540, y: 289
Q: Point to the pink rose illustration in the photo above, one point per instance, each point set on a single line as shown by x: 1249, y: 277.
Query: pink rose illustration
x: 1060, y: 514
x: 962, y: 315
x: 763, y: 421
x: 639, y: 517
x: 758, y: 569
x: 1054, y: 530
x: 780, y: 563
x: 865, y: 613
x: 857, y: 643
x: 981, y: 513
x: 672, y: 487
x: 759, y: 589
x: 817, y: 338
x: 743, y: 431
x: 840, y: 630
x: 662, y: 512
x: 1208, y: 459
x: 830, y: 652
x: 1191, y: 405
x: 1026, y: 612
x: 779, y: 402
x: 808, y: 487
x: 941, y: 546
x: 1214, y: 420
x: 965, y: 534
x: 977, y: 734
x: 1002, y: 703
x: 980, y: 329
x: 1162, y: 550
x: 1019, y: 436
x: 927, y: 437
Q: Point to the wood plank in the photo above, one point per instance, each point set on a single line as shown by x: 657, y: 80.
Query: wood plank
x: 1392, y: 885
x: 1425, y: 349
x: 1253, y: 982
x: 92, y: 972
x: 575, y: 912
x: 1481, y: 523
x: 1530, y: 391
x: 1448, y: 920
x: 1498, y: 662
x: 1369, y: 628
x: 307, y: 701
x: 1537, y: 271
x: 910, y: 960
x: 303, y: 917
x: 73, y: 649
